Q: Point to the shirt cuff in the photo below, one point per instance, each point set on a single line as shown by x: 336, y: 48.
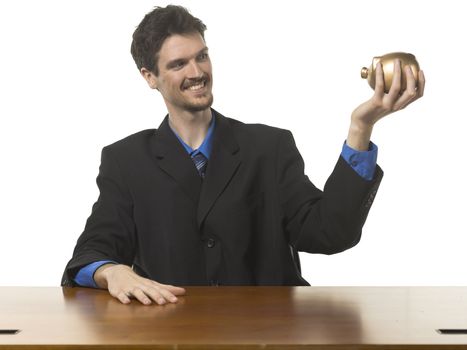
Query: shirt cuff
x: 363, y: 162
x: 85, y: 276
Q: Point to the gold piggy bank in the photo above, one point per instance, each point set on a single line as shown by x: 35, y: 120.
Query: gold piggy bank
x: 387, y: 62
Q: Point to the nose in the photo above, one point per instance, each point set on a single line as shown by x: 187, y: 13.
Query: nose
x: 194, y: 70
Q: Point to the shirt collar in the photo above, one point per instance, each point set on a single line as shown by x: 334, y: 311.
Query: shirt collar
x: 206, y: 146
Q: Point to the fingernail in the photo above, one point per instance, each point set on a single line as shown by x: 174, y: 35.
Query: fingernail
x: 173, y: 299
x: 161, y: 301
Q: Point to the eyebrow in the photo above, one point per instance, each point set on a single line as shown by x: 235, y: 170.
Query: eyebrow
x: 176, y: 61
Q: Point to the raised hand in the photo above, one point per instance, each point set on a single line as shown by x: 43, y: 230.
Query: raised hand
x: 381, y: 104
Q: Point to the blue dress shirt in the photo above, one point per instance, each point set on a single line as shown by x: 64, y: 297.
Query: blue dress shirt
x: 206, y: 146
x: 364, y: 163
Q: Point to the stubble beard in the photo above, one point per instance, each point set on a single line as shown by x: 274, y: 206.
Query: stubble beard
x: 190, y: 104
x: 195, y: 107
x: 198, y: 107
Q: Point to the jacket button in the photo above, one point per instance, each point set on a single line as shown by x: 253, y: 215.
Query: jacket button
x: 211, y: 242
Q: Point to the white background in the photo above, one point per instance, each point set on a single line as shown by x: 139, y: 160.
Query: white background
x: 68, y: 87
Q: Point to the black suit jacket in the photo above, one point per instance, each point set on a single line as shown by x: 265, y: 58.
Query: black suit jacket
x: 242, y: 225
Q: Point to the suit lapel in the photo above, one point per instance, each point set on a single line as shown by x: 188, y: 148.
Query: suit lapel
x: 173, y: 159
x: 222, y: 166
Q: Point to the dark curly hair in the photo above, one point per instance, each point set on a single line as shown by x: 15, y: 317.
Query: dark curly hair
x: 157, y: 26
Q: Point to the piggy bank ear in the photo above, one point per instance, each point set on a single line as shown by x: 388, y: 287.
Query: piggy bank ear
x: 150, y: 77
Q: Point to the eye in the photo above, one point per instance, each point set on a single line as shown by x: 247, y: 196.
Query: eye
x: 178, y: 65
x: 203, y: 56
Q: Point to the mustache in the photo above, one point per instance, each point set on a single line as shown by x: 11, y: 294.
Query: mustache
x: 192, y: 82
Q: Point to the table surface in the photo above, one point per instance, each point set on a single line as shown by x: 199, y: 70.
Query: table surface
x: 237, y: 317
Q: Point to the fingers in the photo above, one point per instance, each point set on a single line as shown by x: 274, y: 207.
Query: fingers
x: 382, y: 104
x: 410, y: 93
x: 395, y: 89
x: 146, y: 295
x: 123, y: 297
x: 167, y: 296
x: 166, y: 292
x: 398, y: 99
x: 124, y: 284
x: 160, y: 295
x: 142, y: 297
x: 173, y: 289
x: 413, y: 92
x: 421, y: 83
x: 379, y: 81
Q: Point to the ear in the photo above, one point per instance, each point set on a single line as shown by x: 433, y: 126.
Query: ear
x: 150, y: 78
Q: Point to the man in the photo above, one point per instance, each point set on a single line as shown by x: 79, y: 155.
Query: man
x: 208, y: 200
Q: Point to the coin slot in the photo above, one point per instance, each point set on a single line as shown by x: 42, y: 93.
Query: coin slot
x: 452, y: 331
x: 9, y: 331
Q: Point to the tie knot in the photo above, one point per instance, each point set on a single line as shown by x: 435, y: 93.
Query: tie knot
x: 201, y: 162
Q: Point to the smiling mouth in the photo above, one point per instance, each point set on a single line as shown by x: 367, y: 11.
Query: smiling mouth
x: 196, y: 86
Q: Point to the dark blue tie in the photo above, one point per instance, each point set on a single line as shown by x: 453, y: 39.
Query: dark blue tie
x: 201, y: 163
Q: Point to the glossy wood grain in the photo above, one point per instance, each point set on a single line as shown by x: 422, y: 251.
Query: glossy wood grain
x: 237, y: 317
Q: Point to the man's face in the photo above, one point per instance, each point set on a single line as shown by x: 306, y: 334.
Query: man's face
x: 185, y: 74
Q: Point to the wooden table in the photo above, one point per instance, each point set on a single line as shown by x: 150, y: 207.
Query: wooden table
x: 237, y: 317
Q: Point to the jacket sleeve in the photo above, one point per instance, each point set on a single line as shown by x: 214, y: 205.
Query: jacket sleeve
x: 110, y: 230
x: 328, y: 221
